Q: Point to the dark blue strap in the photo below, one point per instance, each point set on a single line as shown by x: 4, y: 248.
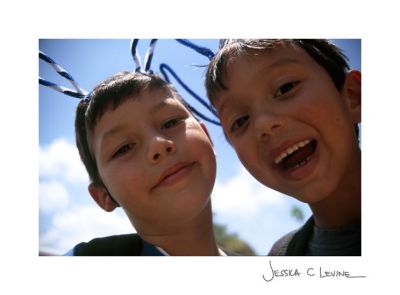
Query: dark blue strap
x: 150, y: 250
x: 164, y: 68
x: 199, y: 49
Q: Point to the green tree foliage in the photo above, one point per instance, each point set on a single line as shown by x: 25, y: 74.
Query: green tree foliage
x: 231, y: 241
x: 297, y: 213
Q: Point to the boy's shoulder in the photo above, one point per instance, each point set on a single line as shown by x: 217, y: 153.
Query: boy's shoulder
x: 295, y: 242
x: 279, y: 248
x: 116, y: 245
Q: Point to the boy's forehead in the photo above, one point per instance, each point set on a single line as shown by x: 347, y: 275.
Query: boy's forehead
x: 149, y: 101
x: 271, y: 57
x: 247, y: 66
x: 155, y: 99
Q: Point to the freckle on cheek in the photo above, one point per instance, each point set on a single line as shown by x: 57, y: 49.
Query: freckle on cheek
x: 337, y: 120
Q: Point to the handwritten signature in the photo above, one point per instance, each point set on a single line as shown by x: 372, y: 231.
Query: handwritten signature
x: 308, y: 271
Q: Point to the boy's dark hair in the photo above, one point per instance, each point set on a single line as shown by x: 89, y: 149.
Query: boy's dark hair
x: 108, y: 95
x: 325, y: 53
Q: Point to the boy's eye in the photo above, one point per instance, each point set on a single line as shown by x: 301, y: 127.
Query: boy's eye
x: 239, y: 123
x: 123, y: 150
x: 171, y: 123
x: 285, y: 88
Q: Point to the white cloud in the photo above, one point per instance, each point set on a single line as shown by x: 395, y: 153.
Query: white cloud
x: 62, y: 172
x: 53, y: 196
x: 61, y: 160
x: 243, y: 195
x: 81, y: 224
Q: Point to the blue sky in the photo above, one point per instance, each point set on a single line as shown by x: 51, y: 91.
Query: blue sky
x: 67, y: 213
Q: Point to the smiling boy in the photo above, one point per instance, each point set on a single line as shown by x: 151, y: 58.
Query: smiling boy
x: 144, y: 151
x: 289, y: 109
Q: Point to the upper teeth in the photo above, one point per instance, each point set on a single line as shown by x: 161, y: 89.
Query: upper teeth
x: 290, y: 150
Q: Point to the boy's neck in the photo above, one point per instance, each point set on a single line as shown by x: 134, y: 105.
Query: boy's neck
x: 343, y: 207
x: 194, y: 238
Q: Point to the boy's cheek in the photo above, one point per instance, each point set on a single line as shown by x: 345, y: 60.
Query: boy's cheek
x: 248, y: 157
x: 195, y: 130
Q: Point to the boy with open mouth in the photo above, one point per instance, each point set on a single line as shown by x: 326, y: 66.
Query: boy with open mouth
x: 290, y: 109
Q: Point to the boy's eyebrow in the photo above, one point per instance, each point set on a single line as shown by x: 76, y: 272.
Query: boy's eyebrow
x: 109, y: 133
x: 283, y: 62
x: 162, y: 104
x: 221, y: 108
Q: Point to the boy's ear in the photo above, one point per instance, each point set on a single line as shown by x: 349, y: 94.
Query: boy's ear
x: 101, y: 197
x: 352, y: 93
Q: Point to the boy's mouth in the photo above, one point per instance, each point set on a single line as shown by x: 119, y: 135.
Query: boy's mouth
x: 174, y: 174
x: 296, y: 155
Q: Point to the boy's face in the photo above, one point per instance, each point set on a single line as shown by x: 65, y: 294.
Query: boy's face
x: 155, y: 159
x: 291, y: 128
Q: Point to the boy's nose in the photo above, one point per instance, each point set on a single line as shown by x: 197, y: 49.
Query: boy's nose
x: 159, y: 148
x: 267, y: 124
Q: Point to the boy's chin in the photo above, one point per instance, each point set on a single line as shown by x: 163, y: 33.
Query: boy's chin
x: 314, y: 195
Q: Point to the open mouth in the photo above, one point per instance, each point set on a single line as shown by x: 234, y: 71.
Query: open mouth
x: 297, y: 155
